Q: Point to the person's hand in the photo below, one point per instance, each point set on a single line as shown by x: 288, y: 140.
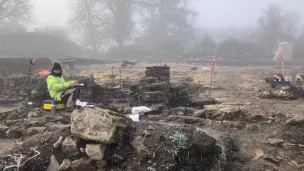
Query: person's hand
x: 75, y: 82
x: 72, y: 83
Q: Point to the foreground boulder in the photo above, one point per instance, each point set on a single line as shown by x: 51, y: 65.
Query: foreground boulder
x: 99, y: 125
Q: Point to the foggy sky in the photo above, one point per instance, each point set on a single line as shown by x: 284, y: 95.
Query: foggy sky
x: 212, y: 14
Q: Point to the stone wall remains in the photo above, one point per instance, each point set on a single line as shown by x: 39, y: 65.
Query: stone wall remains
x: 153, y: 89
x: 10, y: 66
x: 16, y: 88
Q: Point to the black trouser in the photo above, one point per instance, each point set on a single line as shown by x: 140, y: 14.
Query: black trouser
x: 69, y: 96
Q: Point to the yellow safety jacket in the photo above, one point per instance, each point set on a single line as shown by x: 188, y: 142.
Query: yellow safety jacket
x: 57, y: 85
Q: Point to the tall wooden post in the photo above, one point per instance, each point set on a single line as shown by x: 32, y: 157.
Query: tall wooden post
x: 212, y: 69
x: 120, y: 77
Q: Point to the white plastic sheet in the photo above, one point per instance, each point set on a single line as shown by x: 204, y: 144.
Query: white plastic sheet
x: 140, y: 110
x: 136, y: 111
x: 135, y: 118
x: 206, y: 69
x: 80, y: 103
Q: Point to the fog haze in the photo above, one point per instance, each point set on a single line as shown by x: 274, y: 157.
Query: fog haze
x: 212, y: 14
x: 132, y: 29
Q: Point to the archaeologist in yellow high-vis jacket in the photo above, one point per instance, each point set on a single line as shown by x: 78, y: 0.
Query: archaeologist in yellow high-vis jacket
x: 61, y: 90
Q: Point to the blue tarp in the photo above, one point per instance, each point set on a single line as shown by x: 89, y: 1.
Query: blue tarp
x: 280, y: 83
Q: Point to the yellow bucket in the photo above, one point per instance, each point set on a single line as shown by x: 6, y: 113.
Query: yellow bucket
x: 47, y: 105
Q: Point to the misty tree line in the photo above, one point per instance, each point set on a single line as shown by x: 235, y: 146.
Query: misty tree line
x: 140, y: 28
x: 136, y: 28
x: 274, y: 26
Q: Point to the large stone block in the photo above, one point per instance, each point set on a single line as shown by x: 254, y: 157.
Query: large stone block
x: 97, y: 124
x: 163, y: 86
x: 157, y: 96
x: 160, y: 72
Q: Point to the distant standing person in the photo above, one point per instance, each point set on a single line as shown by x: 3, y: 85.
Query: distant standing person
x: 60, y: 90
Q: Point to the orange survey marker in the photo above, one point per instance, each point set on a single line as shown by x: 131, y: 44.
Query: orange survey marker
x: 44, y: 73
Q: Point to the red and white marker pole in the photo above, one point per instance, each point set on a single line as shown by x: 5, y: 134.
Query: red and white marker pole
x: 212, y: 69
x: 282, y: 63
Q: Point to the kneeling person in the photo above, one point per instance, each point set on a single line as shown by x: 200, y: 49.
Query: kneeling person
x: 60, y: 90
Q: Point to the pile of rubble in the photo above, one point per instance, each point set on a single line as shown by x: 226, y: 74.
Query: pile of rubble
x: 283, y: 92
x: 156, y: 89
x: 92, y: 139
x: 99, y: 139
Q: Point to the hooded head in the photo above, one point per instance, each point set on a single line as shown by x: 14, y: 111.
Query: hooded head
x: 56, y: 70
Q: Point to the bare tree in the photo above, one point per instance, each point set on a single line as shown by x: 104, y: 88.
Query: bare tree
x: 167, y: 18
x: 122, y: 23
x: 101, y: 21
x: 91, y: 18
x: 15, y: 11
x: 277, y: 26
x: 107, y: 21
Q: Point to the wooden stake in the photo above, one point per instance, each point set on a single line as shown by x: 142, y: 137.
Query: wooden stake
x: 247, y: 64
x: 212, y: 70
x: 120, y: 77
x: 283, y: 69
x: 112, y: 76
x: 211, y: 79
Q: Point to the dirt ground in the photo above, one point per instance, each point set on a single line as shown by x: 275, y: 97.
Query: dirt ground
x: 238, y: 87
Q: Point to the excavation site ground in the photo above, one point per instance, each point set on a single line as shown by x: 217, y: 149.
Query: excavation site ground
x: 239, y: 123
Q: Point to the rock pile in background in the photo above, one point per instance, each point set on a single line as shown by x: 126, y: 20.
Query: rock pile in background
x: 284, y: 92
x: 153, y: 89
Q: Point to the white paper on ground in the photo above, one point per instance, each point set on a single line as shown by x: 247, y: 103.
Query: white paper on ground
x: 140, y: 110
x: 135, y: 118
x: 206, y: 69
x: 80, y: 103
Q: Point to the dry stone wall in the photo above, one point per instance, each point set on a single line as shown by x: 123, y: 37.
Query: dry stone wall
x: 10, y: 66
x: 153, y: 89
x: 16, y: 88
x: 13, y: 88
